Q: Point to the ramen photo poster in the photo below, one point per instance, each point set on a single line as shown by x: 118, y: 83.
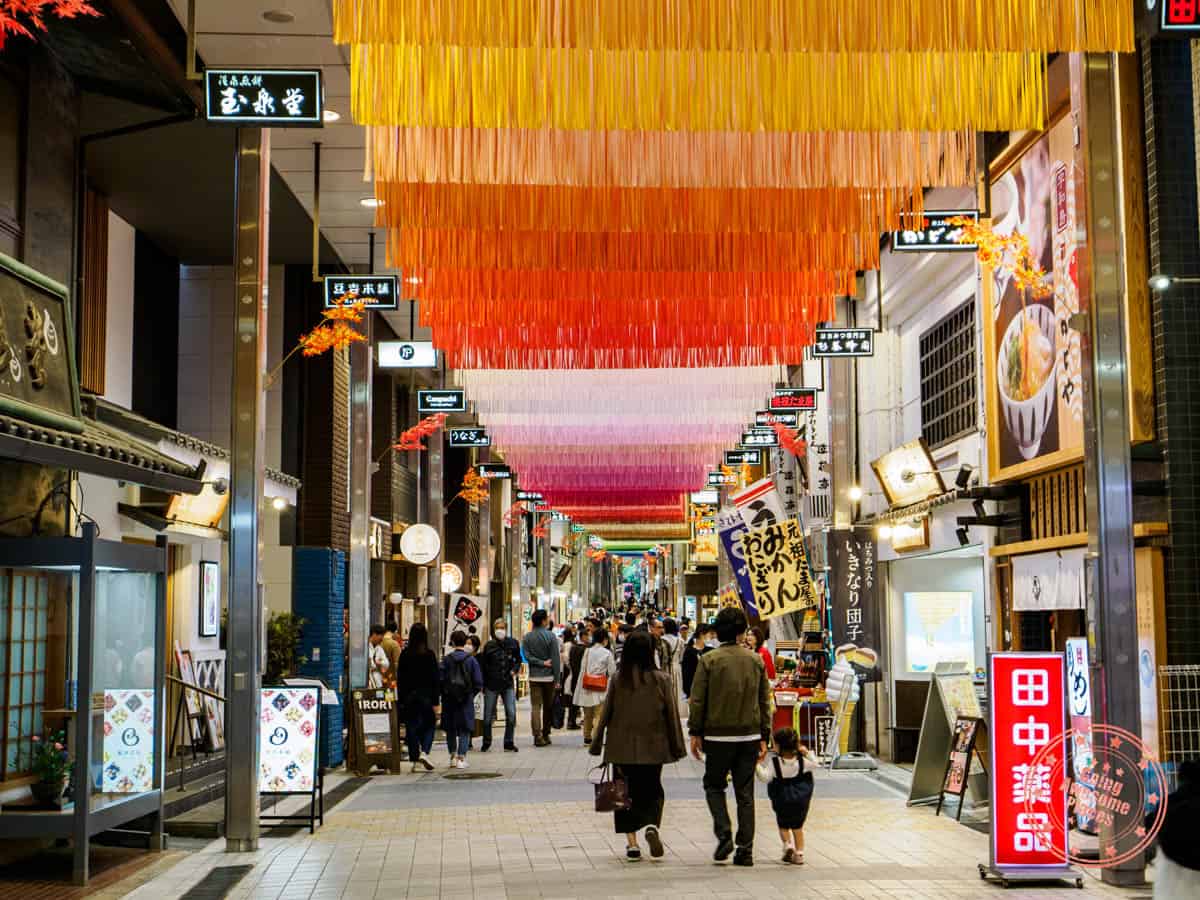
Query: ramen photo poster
x: 1033, y: 355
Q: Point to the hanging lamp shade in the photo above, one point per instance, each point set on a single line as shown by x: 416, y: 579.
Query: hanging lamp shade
x: 759, y: 25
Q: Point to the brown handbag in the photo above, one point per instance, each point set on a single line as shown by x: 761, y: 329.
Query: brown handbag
x: 612, y: 791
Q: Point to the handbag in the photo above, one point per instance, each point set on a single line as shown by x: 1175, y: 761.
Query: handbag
x: 612, y: 791
x: 591, y: 682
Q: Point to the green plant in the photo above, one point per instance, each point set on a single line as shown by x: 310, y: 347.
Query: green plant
x: 283, y: 638
x: 51, y: 761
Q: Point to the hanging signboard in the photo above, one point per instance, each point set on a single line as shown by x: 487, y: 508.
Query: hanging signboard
x: 730, y: 527
x: 756, y: 438
x: 710, y: 497
x: 743, y: 457
x: 576, y: 528
x: 720, y: 479
x: 935, y: 233
x: 854, y: 600
x: 441, y: 401
x: 274, y: 98
x: 703, y: 519
x: 287, y: 745
x: 376, y: 729
x: 764, y: 417
x: 843, y: 342
x: 793, y: 399
x: 1026, y: 713
x: 534, y: 496
x: 493, y: 470
x: 407, y: 355
x: 373, y: 291
x: 469, y: 437
x: 778, y: 566
x: 128, y: 742
x: 759, y: 504
x: 420, y: 544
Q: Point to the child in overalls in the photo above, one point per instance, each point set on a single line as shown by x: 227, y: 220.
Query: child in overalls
x: 790, y: 788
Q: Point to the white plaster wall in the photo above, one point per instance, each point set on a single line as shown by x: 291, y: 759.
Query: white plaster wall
x: 186, y: 624
x: 118, y: 323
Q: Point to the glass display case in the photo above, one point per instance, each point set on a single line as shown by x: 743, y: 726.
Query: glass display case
x: 103, y: 606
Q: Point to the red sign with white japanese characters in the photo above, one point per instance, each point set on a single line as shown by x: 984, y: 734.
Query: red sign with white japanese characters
x: 1029, y: 802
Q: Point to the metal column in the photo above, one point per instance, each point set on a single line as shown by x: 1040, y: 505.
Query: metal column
x: 359, y: 571
x: 547, y: 568
x: 842, y: 439
x: 484, y: 576
x: 246, y: 480
x: 435, y: 517
x: 1112, y: 609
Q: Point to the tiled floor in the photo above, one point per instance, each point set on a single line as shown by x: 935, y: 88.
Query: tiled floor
x: 532, y: 834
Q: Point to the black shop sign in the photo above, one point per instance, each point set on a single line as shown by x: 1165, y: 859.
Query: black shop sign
x: 270, y: 98
x: 843, y: 342
x: 854, y: 598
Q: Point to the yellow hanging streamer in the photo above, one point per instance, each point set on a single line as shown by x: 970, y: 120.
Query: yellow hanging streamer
x: 695, y: 91
x: 1046, y: 26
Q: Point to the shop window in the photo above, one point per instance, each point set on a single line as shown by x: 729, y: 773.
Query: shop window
x: 24, y: 611
x: 949, y: 406
x: 12, y: 130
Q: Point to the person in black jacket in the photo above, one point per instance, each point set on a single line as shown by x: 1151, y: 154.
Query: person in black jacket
x: 500, y: 660
x: 575, y: 664
x: 418, y: 691
x: 691, y: 657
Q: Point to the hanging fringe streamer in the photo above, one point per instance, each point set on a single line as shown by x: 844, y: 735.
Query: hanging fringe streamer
x: 755, y: 25
x: 596, y: 90
x: 521, y: 207
x: 722, y: 159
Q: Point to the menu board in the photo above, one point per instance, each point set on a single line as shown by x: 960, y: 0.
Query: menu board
x: 287, y: 742
x: 128, y: 742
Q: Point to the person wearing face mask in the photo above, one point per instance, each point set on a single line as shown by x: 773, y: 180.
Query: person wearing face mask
x: 500, y: 660
x: 473, y: 645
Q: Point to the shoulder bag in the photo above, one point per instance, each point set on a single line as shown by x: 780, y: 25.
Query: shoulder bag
x: 612, y: 791
x: 592, y: 682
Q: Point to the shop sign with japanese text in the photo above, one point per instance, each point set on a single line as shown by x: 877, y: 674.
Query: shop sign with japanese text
x: 469, y: 437
x: 760, y: 438
x: 1027, y: 713
x: 493, y: 470
x: 793, y: 399
x: 743, y: 457
x: 854, y: 600
x: 778, y: 567
x: 935, y: 233
x: 271, y: 98
x: 374, y: 291
x: 840, y: 342
x: 731, y: 528
x: 759, y: 504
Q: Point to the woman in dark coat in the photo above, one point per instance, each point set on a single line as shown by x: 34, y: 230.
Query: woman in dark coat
x: 639, y: 733
x: 462, y: 679
x: 418, y: 692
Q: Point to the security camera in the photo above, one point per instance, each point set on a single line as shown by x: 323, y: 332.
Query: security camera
x: 220, y: 486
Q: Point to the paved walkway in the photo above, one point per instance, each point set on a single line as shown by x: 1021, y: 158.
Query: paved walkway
x: 531, y: 833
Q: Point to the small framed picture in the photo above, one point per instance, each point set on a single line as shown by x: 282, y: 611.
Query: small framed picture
x: 210, y: 598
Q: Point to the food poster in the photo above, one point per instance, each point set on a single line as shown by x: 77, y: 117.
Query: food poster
x: 1035, y: 380
x: 778, y: 566
x: 128, y: 742
x: 287, y: 743
x: 965, y: 732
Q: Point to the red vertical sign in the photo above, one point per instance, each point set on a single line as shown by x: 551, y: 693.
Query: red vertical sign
x: 1029, y: 800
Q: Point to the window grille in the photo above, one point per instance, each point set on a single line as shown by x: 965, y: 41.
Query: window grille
x: 949, y: 407
x: 24, y: 607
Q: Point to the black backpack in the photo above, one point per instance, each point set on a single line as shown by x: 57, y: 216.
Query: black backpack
x: 458, y: 686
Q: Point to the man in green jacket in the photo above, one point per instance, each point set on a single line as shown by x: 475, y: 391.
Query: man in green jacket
x: 730, y: 721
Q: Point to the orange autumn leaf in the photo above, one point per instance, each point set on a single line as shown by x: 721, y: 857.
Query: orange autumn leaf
x: 413, y: 437
x: 475, y: 488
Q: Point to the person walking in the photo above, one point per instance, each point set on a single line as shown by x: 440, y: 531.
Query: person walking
x: 377, y: 659
x: 461, y: 681
x: 391, y: 648
x: 500, y: 661
x: 672, y: 662
x: 638, y: 733
x: 790, y: 788
x: 758, y: 643
x: 691, y: 659
x: 562, y: 696
x: 1177, y: 868
x: 418, y: 693
x: 540, y: 648
x: 574, y: 665
x: 729, y: 719
x: 596, y: 667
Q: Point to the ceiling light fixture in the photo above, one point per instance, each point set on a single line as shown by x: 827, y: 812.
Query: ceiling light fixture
x: 855, y: 493
x: 1160, y: 282
x: 330, y: 115
x: 279, y: 16
x: 279, y: 503
x: 370, y: 202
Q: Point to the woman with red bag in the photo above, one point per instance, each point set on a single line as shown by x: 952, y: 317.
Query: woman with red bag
x: 595, y: 670
x: 640, y: 719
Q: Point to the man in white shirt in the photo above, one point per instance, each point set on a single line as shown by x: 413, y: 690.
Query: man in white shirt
x: 377, y: 660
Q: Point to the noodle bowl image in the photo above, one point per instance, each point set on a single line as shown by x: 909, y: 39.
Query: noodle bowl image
x: 1025, y: 371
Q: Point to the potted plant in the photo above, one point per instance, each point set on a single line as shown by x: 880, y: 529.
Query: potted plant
x: 52, y: 765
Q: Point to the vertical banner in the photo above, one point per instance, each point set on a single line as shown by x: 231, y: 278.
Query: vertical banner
x: 1027, y: 713
x: 731, y: 528
x: 1079, y: 692
x: 287, y: 744
x: 778, y: 567
x: 759, y: 504
x: 854, y: 600
x: 785, y: 483
x: 128, y: 742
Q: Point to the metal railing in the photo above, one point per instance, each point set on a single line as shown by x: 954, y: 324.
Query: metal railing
x: 203, y: 692
x: 1178, y: 716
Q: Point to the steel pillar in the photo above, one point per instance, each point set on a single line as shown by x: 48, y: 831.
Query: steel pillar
x: 843, y: 442
x: 484, y: 575
x: 359, y: 570
x: 435, y: 517
x: 252, y: 181
x: 1112, y: 608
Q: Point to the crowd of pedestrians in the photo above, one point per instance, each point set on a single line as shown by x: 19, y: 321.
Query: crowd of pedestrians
x: 629, y: 685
